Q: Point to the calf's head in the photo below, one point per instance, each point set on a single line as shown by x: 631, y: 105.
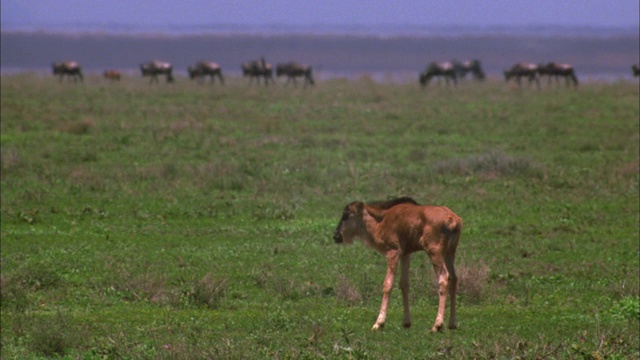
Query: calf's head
x: 350, y: 223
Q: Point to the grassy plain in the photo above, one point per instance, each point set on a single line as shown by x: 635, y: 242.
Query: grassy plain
x: 188, y: 222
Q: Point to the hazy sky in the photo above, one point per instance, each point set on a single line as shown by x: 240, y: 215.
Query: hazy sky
x: 610, y: 13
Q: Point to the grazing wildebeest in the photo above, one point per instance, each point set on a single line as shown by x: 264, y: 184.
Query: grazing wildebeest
x: 439, y: 69
x: 203, y: 69
x: 397, y: 228
x: 543, y: 70
x: 556, y: 70
x: 636, y: 70
x: 69, y: 68
x: 113, y: 75
x: 520, y: 70
x: 470, y: 66
x: 293, y: 70
x: 257, y: 69
x: 155, y: 68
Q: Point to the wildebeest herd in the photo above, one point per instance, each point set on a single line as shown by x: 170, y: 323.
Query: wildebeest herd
x: 255, y: 70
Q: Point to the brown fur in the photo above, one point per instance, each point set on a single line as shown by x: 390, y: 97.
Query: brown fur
x: 397, y: 228
x: 113, y: 75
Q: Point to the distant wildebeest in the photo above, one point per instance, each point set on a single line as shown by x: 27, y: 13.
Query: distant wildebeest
x: 636, y: 70
x: 555, y: 70
x: 470, y: 66
x: 397, y: 228
x: 257, y: 69
x: 113, y: 75
x: 293, y: 70
x: 155, y: 68
x: 439, y: 69
x: 203, y: 69
x: 69, y: 68
x: 520, y: 70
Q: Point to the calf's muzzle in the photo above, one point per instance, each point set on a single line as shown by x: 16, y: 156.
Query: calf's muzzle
x: 338, y: 237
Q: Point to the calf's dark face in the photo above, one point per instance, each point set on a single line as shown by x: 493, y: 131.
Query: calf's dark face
x: 347, y: 227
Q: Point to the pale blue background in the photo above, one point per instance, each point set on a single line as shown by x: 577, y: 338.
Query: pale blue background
x: 592, y: 13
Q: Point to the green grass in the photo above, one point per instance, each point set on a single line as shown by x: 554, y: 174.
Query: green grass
x: 184, y: 221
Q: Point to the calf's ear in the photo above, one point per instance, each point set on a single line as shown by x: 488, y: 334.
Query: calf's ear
x: 360, y: 207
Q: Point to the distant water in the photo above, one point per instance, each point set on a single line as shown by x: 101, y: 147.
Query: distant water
x: 384, y: 30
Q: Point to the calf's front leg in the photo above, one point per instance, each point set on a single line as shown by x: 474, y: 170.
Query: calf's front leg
x: 392, y: 264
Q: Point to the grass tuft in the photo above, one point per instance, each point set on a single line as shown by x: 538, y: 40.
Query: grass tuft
x: 472, y: 281
x: 346, y: 291
x: 209, y: 291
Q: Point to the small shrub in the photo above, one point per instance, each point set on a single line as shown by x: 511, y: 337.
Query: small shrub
x: 627, y: 308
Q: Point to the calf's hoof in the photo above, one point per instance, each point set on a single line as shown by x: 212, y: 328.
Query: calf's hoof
x: 436, y: 328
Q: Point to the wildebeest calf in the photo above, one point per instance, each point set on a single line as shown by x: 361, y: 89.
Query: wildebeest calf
x: 113, y: 75
x: 398, y: 228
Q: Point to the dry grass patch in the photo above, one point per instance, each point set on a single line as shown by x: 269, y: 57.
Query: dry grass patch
x: 346, y: 291
x: 10, y: 159
x: 472, y: 280
x: 209, y: 291
x: 80, y: 127
x: 491, y: 165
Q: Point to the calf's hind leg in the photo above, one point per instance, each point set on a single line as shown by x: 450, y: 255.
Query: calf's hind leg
x: 405, y: 262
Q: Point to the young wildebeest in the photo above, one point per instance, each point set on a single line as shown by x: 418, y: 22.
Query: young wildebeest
x: 70, y: 68
x: 636, y: 70
x: 470, y: 66
x: 520, y: 70
x: 445, y: 69
x: 155, y: 68
x: 396, y: 229
x: 257, y: 69
x: 293, y: 70
x: 555, y: 70
x: 203, y: 69
x: 113, y: 75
